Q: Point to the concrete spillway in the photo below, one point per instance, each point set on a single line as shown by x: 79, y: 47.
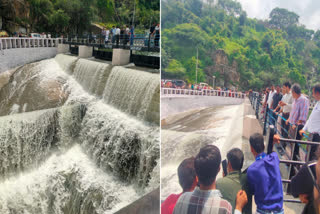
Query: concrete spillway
x: 69, y: 148
x: 184, y: 133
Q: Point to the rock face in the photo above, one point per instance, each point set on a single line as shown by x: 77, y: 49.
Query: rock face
x: 228, y: 73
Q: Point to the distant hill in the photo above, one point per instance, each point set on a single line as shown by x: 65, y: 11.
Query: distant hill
x: 261, y: 52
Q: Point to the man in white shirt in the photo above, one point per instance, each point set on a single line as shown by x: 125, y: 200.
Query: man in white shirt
x: 270, y: 98
x: 286, y: 105
x: 117, y: 35
x: 313, y: 123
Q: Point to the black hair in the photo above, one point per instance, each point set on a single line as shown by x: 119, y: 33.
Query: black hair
x: 257, y: 142
x: 207, y: 164
x: 296, y: 88
x: 186, y: 173
x: 316, y: 88
x: 287, y: 84
x: 235, y: 157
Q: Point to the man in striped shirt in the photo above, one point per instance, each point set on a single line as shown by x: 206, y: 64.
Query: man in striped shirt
x: 299, y: 111
x: 206, y: 199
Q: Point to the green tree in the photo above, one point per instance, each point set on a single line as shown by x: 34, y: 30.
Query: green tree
x: 282, y: 18
x: 175, y: 69
x: 194, y: 74
x: 59, y: 21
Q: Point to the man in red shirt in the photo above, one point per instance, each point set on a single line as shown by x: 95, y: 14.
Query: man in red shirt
x: 188, y: 181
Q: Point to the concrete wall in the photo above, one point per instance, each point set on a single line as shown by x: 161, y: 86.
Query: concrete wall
x: 148, y: 204
x: 173, y: 105
x: 11, y: 58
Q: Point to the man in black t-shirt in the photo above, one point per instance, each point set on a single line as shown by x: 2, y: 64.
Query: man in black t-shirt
x: 275, y: 101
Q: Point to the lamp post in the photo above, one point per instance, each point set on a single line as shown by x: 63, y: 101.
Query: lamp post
x: 213, y: 81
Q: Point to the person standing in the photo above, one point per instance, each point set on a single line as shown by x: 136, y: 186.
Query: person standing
x: 270, y: 97
x: 103, y: 35
x: 264, y: 178
x: 187, y: 180
x: 299, y: 112
x: 127, y: 34
x: 157, y: 35
x: 274, y: 105
x: 131, y: 35
x: 107, y: 36
x: 234, y: 181
x: 206, y: 199
x: 113, y: 31
x: 286, y: 105
x: 117, y: 37
x: 313, y: 124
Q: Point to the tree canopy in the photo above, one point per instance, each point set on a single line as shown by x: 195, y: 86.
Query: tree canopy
x: 76, y: 16
x: 263, y: 52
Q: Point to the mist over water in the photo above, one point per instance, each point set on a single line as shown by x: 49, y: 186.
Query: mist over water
x: 67, y: 147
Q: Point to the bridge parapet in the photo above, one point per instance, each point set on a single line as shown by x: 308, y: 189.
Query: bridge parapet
x: 172, y: 92
x: 21, y: 42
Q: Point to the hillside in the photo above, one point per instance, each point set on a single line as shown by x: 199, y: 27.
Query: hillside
x: 75, y: 16
x: 237, y: 50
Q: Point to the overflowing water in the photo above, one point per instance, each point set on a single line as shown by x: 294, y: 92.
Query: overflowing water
x: 185, y: 133
x: 67, y: 148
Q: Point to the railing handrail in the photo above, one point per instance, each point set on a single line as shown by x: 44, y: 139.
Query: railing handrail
x: 202, y: 92
x: 27, y: 42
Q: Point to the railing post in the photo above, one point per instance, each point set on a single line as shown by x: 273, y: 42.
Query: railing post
x: 270, y: 139
x: 265, y: 121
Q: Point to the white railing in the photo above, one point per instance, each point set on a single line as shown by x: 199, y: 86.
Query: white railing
x: 20, y: 42
x: 204, y: 92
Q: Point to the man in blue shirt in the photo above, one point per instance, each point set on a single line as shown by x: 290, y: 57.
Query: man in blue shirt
x: 264, y: 178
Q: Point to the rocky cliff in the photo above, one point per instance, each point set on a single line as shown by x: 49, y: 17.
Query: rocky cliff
x: 225, y: 72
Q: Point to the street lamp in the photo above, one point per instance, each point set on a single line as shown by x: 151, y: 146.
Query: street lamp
x: 213, y: 81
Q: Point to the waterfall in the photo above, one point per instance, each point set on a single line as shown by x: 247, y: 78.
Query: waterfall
x: 65, y: 183
x: 132, y: 91
x: 67, y: 148
x: 27, y: 139
x: 125, y: 146
x: 92, y: 75
x: 66, y: 62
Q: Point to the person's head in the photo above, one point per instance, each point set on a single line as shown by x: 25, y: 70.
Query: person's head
x: 278, y: 89
x: 296, y: 91
x: 316, y: 92
x: 235, y: 160
x: 207, y: 165
x: 272, y: 88
x: 113, y: 26
x: 256, y: 144
x: 187, y: 175
x: 286, y: 87
x: 267, y: 89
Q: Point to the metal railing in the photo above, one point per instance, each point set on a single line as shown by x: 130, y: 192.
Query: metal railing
x: 21, y: 42
x: 294, y: 152
x: 292, y: 165
x: 203, y: 92
x: 139, y: 42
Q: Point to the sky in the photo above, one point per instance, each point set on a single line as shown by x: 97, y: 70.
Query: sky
x: 308, y: 10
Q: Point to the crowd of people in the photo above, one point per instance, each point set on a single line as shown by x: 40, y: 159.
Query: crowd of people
x: 289, y: 113
x: 202, y: 193
x: 124, y: 35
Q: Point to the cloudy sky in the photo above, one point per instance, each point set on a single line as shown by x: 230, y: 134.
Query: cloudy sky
x: 308, y: 10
